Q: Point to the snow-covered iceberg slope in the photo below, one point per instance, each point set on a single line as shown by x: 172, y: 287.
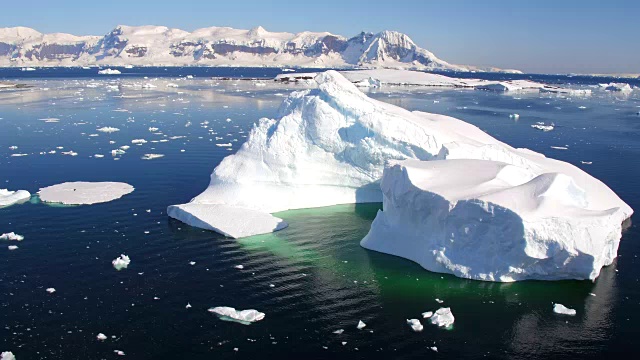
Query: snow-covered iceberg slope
x: 330, y: 145
x: 530, y: 218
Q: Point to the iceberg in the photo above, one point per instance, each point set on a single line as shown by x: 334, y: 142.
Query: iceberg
x: 563, y: 310
x: 245, y: 317
x: 447, y: 187
x: 7, y: 355
x: 121, y: 262
x: 11, y: 236
x: 109, y: 72
x: 617, y: 87
x: 84, y: 193
x: 8, y: 198
x: 415, y: 325
x: 443, y: 318
x: 535, y: 218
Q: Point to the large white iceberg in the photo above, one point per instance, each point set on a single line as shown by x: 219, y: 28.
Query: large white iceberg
x: 8, y: 198
x: 330, y: 145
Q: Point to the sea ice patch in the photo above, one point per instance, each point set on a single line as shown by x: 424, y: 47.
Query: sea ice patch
x: 84, y: 193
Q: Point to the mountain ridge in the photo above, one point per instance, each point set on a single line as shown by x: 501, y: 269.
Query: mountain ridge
x: 151, y: 45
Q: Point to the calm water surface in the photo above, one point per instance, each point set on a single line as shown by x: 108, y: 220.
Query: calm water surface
x: 322, y: 279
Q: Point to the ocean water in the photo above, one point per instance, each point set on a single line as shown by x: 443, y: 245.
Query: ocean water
x: 322, y: 279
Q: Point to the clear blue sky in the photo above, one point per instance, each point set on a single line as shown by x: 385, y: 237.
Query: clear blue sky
x: 551, y: 36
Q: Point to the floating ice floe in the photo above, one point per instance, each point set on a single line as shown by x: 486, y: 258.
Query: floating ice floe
x: 415, y: 325
x: 51, y: 290
x: 119, y: 352
x: 245, y: 317
x: 152, y: 156
x: 101, y: 337
x: 11, y: 237
x: 108, y: 129
x: 138, y: 141
x: 514, y: 116
x: 361, y: 325
x: 427, y: 314
x: 12, y: 247
x: 121, y: 262
x: 7, y: 355
x: 8, y: 198
x: 543, y: 127
x: 448, y: 187
x: 443, y: 317
x: 339, y: 331
x: 109, y: 72
x: 561, y: 309
x: 84, y: 193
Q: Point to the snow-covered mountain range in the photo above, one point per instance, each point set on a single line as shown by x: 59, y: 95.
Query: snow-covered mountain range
x: 216, y: 46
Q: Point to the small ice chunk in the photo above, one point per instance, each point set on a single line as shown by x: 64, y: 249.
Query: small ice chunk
x: 415, y: 324
x: 361, y: 325
x: 153, y: 129
x: 192, y: 263
x: 51, y: 290
x: 434, y: 348
x: 561, y: 309
x: 188, y: 306
x: 245, y: 317
x: 110, y: 72
x: 439, y: 301
x: 514, y: 116
x: 12, y: 247
x: 427, y: 314
x: 119, y: 352
x: 339, y: 331
x: 152, y: 156
x: 101, y: 337
x: 108, y: 129
x: 121, y: 262
x: 239, y: 267
x: 443, y: 317
x: 138, y: 141
x: 543, y: 127
x: 11, y: 236
x: 7, y: 355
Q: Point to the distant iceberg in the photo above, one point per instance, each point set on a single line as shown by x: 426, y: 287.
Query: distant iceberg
x: 109, y: 72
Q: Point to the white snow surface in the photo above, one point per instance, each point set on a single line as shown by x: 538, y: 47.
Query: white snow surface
x: 245, y: 317
x: 84, y: 193
x: 530, y: 216
x: 8, y: 198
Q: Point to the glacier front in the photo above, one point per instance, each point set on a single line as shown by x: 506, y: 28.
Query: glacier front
x: 330, y: 145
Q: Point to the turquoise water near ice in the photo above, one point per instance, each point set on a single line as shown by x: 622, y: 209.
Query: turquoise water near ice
x: 323, y: 280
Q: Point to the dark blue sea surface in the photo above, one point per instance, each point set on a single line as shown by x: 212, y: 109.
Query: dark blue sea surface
x: 310, y: 279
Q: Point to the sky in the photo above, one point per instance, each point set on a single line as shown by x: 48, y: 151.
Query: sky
x: 541, y: 36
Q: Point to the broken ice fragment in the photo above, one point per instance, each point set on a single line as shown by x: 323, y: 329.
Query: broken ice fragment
x: 245, y: 317
x: 561, y: 309
x: 361, y: 325
x: 121, y: 262
x: 51, y: 290
x: 101, y: 337
x: 443, y: 317
x: 415, y: 324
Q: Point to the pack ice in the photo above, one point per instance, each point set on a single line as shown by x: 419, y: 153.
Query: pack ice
x: 455, y: 199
